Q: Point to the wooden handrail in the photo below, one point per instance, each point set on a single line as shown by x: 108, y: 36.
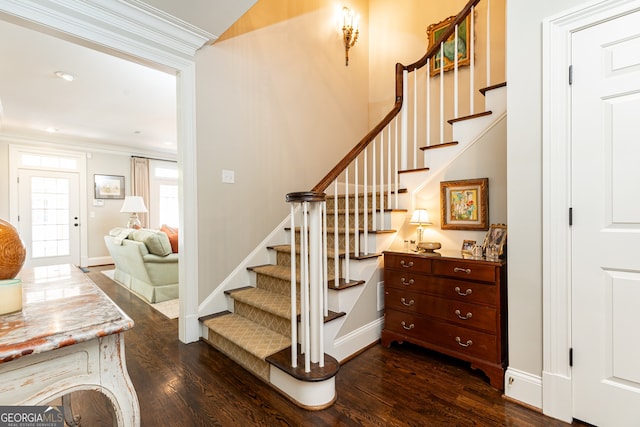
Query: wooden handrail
x: 397, y: 106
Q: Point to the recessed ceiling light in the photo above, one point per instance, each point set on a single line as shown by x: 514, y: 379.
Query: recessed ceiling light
x: 51, y: 129
x: 65, y: 76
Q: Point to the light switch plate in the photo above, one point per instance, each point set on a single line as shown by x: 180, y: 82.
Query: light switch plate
x: 228, y: 176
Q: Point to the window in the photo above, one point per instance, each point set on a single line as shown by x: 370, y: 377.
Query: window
x: 163, y: 182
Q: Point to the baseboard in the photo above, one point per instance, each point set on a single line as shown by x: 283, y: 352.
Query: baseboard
x: 103, y: 260
x: 354, y: 341
x: 523, y: 387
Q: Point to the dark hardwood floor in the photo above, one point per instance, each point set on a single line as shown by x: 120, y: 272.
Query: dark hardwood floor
x: 194, y: 385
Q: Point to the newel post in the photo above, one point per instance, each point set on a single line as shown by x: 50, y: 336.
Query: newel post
x: 308, y: 237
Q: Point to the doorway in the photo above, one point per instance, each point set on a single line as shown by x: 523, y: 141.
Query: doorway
x: 588, y: 292
x: 166, y: 44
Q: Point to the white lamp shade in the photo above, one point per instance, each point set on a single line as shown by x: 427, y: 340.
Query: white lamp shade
x: 420, y: 216
x: 133, y: 204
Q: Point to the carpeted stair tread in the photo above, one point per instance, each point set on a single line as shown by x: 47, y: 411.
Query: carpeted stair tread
x: 253, y: 338
x: 271, y: 302
x: 277, y: 271
x: 330, y: 252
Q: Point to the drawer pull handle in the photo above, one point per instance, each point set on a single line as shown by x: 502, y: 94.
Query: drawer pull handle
x: 406, y: 265
x: 462, y: 344
x: 408, y: 304
x: 463, y: 294
x: 462, y: 270
x: 408, y: 328
x: 404, y: 282
x: 465, y: 317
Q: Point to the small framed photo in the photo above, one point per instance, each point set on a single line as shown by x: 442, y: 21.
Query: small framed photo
x: 495, y: 239
x: 467, y: 246
x: 464, y: 204
x: 109, y: 186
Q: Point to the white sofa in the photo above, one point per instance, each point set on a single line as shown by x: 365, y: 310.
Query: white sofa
x: 144, y: 262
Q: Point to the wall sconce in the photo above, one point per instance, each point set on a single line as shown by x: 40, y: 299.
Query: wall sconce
x: 350, y: 31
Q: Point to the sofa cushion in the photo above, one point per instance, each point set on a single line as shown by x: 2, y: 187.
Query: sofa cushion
x: 172, y: 233
x: 156, y: 242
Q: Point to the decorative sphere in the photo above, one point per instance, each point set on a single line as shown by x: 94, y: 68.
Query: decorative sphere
x: 12, y: 251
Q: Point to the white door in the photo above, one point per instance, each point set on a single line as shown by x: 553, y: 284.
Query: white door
x: 49, y: 206
x: 605, y: 150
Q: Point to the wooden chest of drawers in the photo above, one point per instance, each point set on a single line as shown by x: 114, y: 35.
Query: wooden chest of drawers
x: 451, y: 304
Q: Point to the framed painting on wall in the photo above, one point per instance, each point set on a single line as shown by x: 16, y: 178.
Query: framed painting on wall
x: 109, y: 186
x: 465, y: 204
x: 447, y: 60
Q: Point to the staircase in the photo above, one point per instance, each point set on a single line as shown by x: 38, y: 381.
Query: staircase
x: 336, y: 232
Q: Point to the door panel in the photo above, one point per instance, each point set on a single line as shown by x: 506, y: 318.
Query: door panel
x: 49, y: 220
x: 606, y: 229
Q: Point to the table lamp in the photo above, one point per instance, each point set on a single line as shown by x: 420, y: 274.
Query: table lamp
x: 420, y: 218
x: 133, y: 205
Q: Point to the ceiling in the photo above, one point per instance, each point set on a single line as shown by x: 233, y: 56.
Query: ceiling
x: 112, y: 103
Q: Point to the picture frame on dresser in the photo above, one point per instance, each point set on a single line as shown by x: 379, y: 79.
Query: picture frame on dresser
x: 464, y: 204
x: 496, y: 237
x: 467, y: 246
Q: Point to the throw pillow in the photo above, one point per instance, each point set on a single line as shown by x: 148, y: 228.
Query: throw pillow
x: 156, y: 242
x: 172, y: 234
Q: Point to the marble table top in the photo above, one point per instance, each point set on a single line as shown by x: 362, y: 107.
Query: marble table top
x: 61, y: 306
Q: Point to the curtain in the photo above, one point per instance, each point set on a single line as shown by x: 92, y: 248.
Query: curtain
x: 140, y: 185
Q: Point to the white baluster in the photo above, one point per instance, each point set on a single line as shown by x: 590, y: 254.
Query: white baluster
x: 414, y: 153
x: 294, y: 314
x: 455, y: 74
x: 405, y: 122
x: 389, y: 168
x: 488, y: 43
x: 366, y: 203
x: 374, y: 200
x: 441, y: 92
x: 356, y: 218
x: 381, y: 191
x: 471, y: 51
x: 347, y: 245
x: 336, y: 237
x: 428, y: 108
x: 397, y: 175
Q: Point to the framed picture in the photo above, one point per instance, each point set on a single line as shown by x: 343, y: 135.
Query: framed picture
x: 467, y: 245
x: 464, y: 204
x: 109, y: 186
x: 447, y: 60
x: 496, y: 237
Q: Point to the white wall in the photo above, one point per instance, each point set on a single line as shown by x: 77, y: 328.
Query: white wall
x: 524, y: 194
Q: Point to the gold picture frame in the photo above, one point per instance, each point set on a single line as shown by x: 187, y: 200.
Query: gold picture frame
x: 497, y: 235
x: 464, y: 41
x: 467, y: 246
x: 464, y: 205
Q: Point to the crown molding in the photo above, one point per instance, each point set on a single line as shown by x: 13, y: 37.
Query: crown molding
x: 127, y: 25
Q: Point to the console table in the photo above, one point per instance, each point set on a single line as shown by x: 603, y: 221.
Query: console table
x: 68, y: 337
x: 450, y: 302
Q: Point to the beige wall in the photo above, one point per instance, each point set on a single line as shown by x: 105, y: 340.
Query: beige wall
x: 108, y: 216
x: 277, y: 106
x: 524, y: 160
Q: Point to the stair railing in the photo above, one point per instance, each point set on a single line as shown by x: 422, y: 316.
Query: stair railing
x: 365, y: 182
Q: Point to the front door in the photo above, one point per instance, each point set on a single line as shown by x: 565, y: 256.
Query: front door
x: 48, y: 206
x: 605, y: 150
